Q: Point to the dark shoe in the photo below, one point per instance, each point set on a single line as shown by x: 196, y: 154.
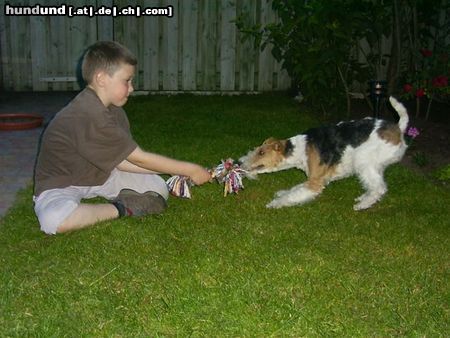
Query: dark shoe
x: 136, y: 204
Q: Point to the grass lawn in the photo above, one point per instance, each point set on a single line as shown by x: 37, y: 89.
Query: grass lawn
x: 215, y: 266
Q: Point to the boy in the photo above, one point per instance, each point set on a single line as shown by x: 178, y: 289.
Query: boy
x: 87, y: 150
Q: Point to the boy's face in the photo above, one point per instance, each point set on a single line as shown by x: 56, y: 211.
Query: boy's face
x: 118, y: 86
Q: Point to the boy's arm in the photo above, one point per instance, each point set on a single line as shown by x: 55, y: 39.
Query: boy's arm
x: 165, y: 165
x: 127, y: 166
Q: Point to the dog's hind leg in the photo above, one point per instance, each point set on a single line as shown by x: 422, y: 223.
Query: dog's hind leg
x: 375, y: 186
x: 281, y: 193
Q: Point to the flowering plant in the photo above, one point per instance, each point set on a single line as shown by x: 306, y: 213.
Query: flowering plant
x: 419, y: 157
x: 410, y: 134
x: 430, y: 78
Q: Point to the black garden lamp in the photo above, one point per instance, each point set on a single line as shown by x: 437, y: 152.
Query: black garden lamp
x: 377, y: 93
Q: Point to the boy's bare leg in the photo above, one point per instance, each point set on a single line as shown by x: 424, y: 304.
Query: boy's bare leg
x: 86, y: 215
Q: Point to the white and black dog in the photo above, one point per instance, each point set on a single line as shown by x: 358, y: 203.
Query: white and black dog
x: 363, y: 147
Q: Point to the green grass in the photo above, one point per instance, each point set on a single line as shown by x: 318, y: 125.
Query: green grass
x: 215, y: 266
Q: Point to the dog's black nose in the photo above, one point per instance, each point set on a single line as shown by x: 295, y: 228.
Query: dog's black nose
x: 238, y: 162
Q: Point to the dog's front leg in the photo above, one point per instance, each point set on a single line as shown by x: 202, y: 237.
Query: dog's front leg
x: 300, y: 194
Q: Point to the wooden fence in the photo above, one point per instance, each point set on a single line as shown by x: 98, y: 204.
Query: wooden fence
x: 198, y: 48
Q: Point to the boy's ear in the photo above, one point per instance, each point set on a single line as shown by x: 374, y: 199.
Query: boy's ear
x: 99, y: 78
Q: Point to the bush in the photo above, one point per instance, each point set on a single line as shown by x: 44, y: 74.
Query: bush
x: 316, y: 42
x: 320, y: 43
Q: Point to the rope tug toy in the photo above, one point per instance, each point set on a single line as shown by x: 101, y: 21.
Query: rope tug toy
x: 227, y: 173
x: 230, y: 175
x: 179, y: 186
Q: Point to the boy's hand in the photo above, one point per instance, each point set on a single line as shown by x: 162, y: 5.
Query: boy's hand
x: 165, y: 165
x: 200, y: 175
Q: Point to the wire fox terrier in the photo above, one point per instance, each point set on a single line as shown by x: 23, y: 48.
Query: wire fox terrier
x: 363, y: 147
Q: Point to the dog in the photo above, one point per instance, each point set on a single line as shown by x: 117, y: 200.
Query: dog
x: 362, y: 147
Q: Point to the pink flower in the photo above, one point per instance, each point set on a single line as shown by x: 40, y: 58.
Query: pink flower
x: 440, y: 81
x: 426, y: 52
x: 420, y: 92
x: 412, y: 132
x: 407, y: 87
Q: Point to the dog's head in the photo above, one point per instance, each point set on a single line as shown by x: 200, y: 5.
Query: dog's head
x: 266, y: 158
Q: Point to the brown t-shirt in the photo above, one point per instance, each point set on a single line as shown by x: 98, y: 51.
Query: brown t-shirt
x: 83, y: 143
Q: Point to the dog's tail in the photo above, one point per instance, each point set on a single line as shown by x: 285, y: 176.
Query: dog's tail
x: 402, y: 113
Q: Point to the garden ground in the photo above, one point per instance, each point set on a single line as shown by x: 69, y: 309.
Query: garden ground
x: 215, y: 266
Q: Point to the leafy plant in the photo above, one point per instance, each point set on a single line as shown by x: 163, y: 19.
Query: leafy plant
x: 329, y: 46
x: 429, y: 78
x: 317, y: 42
x: 420, y: 158
x: 420, y: 49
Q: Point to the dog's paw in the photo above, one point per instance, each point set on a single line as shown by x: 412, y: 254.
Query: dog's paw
x: 275, y: 204
x: 280, y: 202
x: 361, y: 198
x: 358, y: 207
x: 281, y: 193
x: 363, y: 205
x: 251, y: 175
x: 368, y: 199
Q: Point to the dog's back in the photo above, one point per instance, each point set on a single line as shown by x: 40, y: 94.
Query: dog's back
x: 331, y: 141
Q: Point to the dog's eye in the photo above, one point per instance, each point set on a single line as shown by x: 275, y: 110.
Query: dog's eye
x: 261, y: 153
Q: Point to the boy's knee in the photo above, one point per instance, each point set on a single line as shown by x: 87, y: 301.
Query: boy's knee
x: 52, y: 215
x: 49, y: 221
x: 156, y: 184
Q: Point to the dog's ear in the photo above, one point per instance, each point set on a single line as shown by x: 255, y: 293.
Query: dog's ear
x: 275, y: 144
x: 270, y: 140
x: 279, y: 146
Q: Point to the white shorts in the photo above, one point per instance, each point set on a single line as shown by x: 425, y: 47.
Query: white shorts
x: 53, y: 206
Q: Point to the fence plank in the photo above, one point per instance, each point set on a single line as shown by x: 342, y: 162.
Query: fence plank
x: 64, y: 46
x: 80, y: 39
x: 170, y: 48
x: 131, y: 39
x: 19, y: 47
x: 105, y: 30
x: 265, y: 59
x: 38, y: 48
x: 207, y: 43
x: 151, y: 51
x: 189, y: 9
x: 247, y: 49
x: 228, y: 46
x: 5, y: 51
